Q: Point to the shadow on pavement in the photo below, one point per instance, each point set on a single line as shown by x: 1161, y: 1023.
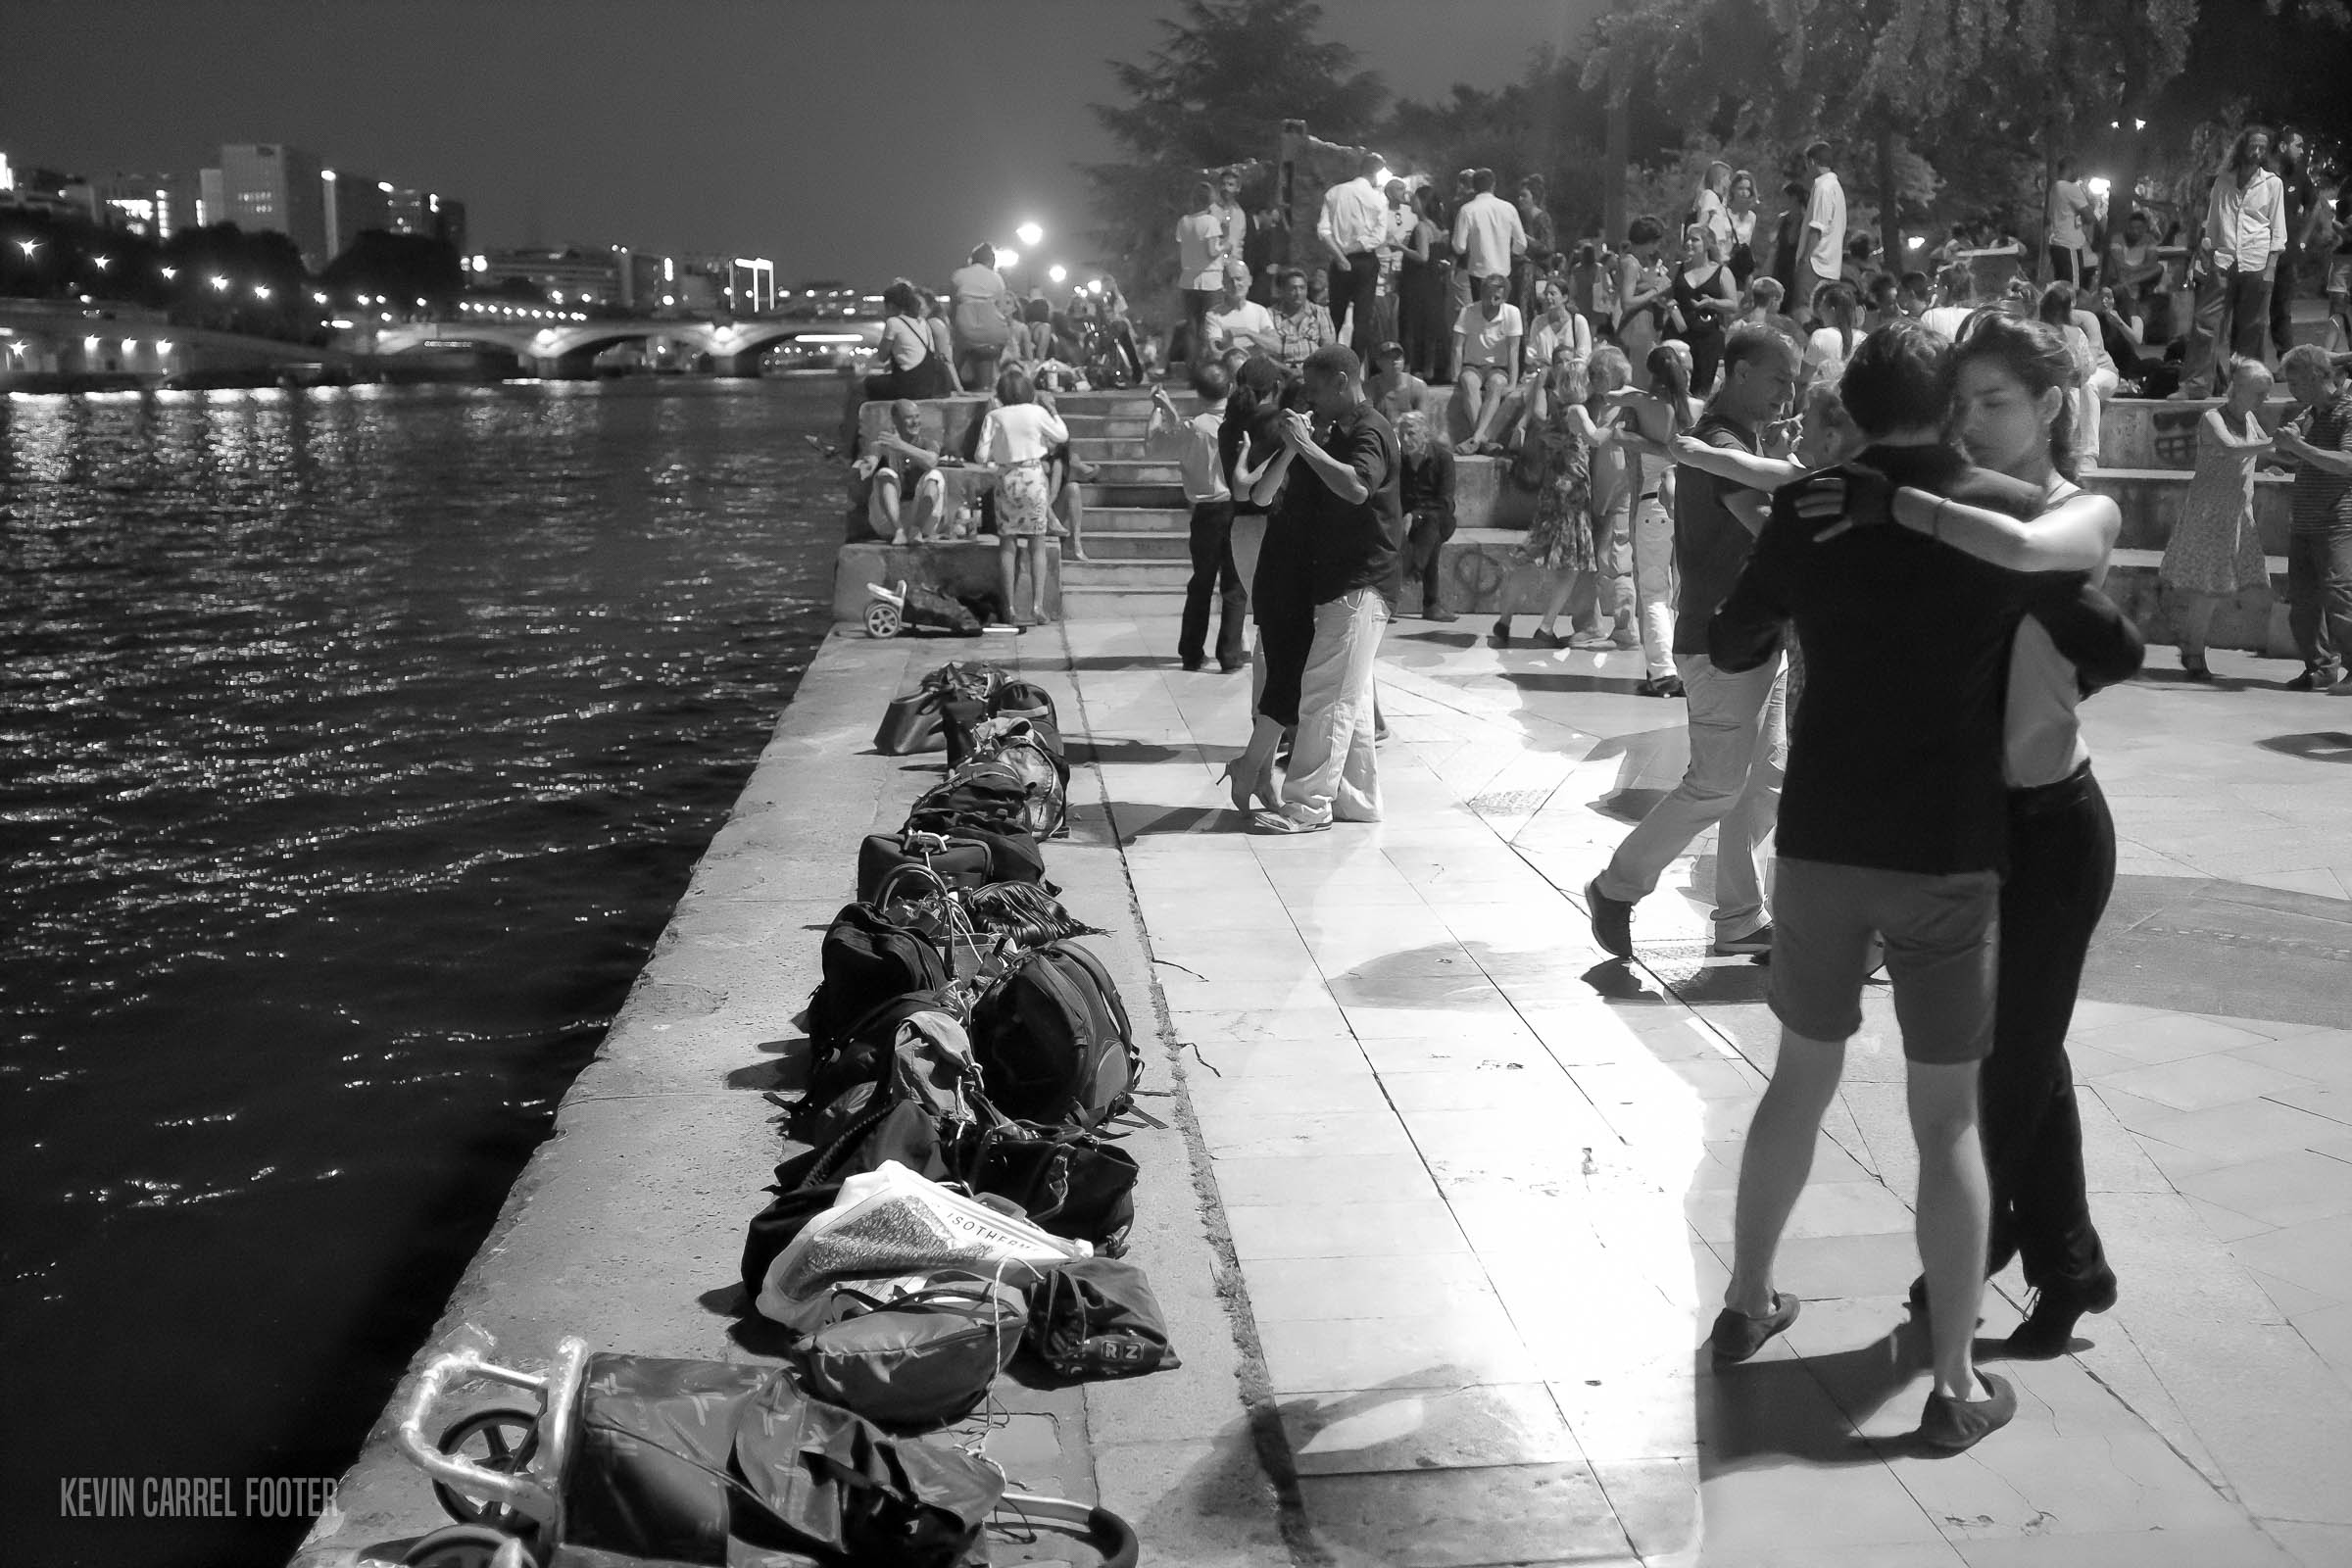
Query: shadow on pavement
x: 2320, y: 746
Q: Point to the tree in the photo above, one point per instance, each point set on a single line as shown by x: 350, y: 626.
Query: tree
x: 404, y: 266
x: 1215, y: 93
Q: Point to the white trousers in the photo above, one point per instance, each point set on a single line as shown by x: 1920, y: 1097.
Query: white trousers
x: 1334, y: 770
x: 1655, y: 585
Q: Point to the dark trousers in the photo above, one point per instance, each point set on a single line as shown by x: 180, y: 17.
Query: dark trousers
x: 2244, y: 298
x: 1352, y: 285
x: 1196, y: 302
x: 2061, y: 870
x: 1215, y: 575
x: 1422, y: 545
x: 2282, y: 302
x: 2319, y: 595
x: 1283, y: 642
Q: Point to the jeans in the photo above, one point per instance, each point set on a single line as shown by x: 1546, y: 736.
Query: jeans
x: 1739, y: 750
x: 2245, y: 299
x: 1334, y: 771
x: 1422, y: 547
x: 2319, y: 595
x: 1655, y: 585
x: 2062, y: 868
x: 2090, y: 403
x: 2282, y: 301
x: 1457, y: 300
x: 1215, y: 575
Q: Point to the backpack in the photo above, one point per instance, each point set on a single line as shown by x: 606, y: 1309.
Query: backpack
x: 1016, y: 746
x: 1095, y: 1318
x: 980, y: 794
x: 1052, y: 1040
x: 917, y: 1353
x: 870, y: 955
x: 1070, y: 1182
x: 862, y: 1053
x: 964, y: 857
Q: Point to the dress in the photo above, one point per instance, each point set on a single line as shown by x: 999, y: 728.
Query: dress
x: 2215, y: 549
x: 1701, y: 329
x: 1561, y: 539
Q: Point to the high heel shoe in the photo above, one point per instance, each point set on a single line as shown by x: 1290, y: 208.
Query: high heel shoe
x: 1259, y: 788
x: 2048, y: 1329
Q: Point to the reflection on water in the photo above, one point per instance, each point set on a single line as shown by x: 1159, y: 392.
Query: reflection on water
x: 354, y: 745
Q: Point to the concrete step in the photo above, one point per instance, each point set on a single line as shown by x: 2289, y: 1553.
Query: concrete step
x: 1120, y: 544
x: 2152, y: 499
x: 1124, y: 575
x: 1157, y: 497
x: 1134, y: 470
x: 1125, y: 402
x: 1139, y: 519
x: 1108, y: 449
x: 1130, y: 427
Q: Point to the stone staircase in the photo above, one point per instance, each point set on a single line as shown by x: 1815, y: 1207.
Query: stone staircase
x: 1136, y: 525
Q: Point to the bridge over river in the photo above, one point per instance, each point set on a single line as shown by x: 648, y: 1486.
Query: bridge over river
x: 571, y: 347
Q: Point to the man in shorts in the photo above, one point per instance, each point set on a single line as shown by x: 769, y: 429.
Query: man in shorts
x: 1903, y: 841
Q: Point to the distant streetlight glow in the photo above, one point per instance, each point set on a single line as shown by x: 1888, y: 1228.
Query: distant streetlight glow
x: 29, y: 246
x: 171, y: 272
x: 220, y: 285
x: 1006, y: 259
x: 1057, y: 273
x: 259, y: 292
x: 319, y: 299
x: 102, y: 262
x: 1029, y: 235
x: 1093, y: 285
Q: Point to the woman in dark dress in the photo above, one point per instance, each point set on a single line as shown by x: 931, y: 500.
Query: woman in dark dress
x: 1280, y: 589
x: 1421, y: 289
x: 1704, y: 299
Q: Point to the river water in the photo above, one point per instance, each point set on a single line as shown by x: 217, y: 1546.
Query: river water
x: 354, y: 747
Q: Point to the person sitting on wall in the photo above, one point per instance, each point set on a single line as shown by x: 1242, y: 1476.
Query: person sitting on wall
x: 900, y: 461
x: 1237, y: 321
x: 1392, y: 389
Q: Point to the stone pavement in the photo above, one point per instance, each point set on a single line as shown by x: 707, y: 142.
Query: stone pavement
x: 1478, y: 1179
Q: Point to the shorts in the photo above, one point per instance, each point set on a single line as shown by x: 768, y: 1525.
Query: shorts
x: 2339, y: 274
x: 1942, y: 953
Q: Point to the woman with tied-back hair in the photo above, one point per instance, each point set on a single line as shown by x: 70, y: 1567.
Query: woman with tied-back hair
x: 1838, y: 309
x: 1657, y: 413
x: 1711, y: 208
x: 1559, y: 544
x: 1423, y: 327
x: 1270, y: 551
x: 1741, y: 208
x: 2014, y: 411
x: 2095, y: 375
x: 1201, y: 243
x: 1706, y: 301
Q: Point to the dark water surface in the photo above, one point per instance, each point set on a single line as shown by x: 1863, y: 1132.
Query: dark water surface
x: 354, y: 747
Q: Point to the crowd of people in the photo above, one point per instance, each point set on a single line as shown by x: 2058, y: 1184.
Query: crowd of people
x: 1874, y: 511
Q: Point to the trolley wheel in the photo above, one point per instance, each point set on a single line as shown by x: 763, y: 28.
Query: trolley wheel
x: 882, y: 619
x: 461, y: 1547
x: 502, y: 1438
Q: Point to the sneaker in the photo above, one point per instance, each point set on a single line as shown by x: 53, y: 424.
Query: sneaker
x: 1954, y: 1424
x: 1735, y: 1336
x: 1284, y: 822
x: 1612, y: 921
x: 2312, y: 680
x: 1757, y: 944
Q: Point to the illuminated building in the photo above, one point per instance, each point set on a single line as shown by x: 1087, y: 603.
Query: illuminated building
x: 270, y: 185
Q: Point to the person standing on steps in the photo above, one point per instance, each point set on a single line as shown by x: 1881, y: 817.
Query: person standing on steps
x: 1191, y: 444
x: 1738, y: 735
x: 1356, y: 576
x: 1353, y: 226
x: 2235, y: 261
x: 1821, y: 244
x: 2317, y: 443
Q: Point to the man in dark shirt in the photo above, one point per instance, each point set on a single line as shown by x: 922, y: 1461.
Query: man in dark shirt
x: 2317, y: 442
x: 1738, y: 733
x: 1893, y: 825
x: 1358, y: 574
x: 2298, y: 200
x: 1425, y: 494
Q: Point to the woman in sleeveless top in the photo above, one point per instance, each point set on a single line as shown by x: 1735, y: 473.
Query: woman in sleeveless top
x: 1271, y: 548
x: 1421, y: 289
x: 2215, y: 552
x: 2013, y: 411
x: 910, y: 366
x: 1704, y: 299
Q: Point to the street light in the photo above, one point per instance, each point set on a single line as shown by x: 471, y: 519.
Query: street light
x: 1057, y: 273
x: 171, y: 272
x: 101, y: 261
x: 1029, y: 233
x: 29, y: 246
x: 1008, y: 259
x: 220, y: 285
x: 259, y: 292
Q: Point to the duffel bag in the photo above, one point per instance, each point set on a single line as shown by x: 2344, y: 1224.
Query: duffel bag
x: 1095, y: 1318
x: 966, y: 857
x: 1053, y: 1041
x: 1067, y: 1182
x: 809, y: 1183
x: 910, y: 725
x: 916, y: 1354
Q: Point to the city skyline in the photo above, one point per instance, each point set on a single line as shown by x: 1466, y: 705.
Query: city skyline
x: 680, y: 109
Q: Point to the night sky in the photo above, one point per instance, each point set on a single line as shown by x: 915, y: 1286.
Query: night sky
x: 855, y: 138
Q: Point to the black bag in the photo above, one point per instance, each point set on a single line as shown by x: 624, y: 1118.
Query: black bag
x: 1024, y: 915
x: 869, y: 955
x: 1032, y: 754
x: 1021, y: 698
x: 1053, y: 1041
x: 909, y: 725
x: 715, y: 1462
x: 967, y: 857
x: 978, y: 794
x: 860, y: 1053
x: 914, y: 1361
x: 959, y: 718
x: 1070, y: 1182
x: 1095, y: 1318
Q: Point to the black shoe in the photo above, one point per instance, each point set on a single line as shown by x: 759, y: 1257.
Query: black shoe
x: 1239, y: 664
x: 1612, y: 921
x: 1663, y: 686
x: 1195, y: 662
x: 1549, y: 639
x: 1757, y: 944
x: 2311, y: 681
x: 2048, y: 1330
x: 1502, y: 631
x: 1737, y: 1335
x: 1438, y: 615
x: 2195, y: 670
x: 1954, y: 1424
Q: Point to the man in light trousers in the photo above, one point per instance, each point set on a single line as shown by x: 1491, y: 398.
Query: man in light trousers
x: 1739, y: 726
x: 1358, y: 574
